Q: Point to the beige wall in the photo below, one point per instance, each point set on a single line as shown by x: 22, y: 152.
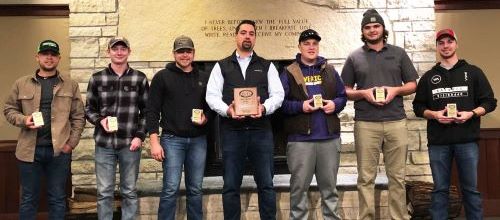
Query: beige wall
x: 478, y: 43
x: 20, y: 37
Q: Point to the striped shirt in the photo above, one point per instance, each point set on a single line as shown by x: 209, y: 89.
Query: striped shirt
x: 123, y: 97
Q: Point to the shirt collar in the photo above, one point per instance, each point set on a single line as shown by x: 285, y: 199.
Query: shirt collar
x: 111, y: 71
x: 239, y: 57
x: 58, y: 74
x: 367, y: 48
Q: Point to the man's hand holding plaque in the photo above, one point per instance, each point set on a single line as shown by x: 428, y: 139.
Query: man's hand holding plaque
x: 261, y: 109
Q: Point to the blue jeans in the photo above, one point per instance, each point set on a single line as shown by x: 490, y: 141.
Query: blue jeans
x: 258, y: 146
x: 105, y: 169
x: 179, y: 151
x: 466, y: 157
x: 55, y: 170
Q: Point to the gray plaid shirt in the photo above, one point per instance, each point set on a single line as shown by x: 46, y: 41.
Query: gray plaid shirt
x: 124, y: 97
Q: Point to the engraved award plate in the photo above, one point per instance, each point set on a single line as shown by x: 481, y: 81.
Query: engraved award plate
x: 196, y: 115
x: 318, y: 101
x: 38, y: 119
x: 451, y: 110
x: 245, y: 101
x: 379, y: 94
x: 112, y: 123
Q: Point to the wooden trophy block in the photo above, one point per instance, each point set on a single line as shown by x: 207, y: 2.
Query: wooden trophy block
x: 318, y: 101
x: 451, y: 110
x: 112, y: 123
x: 38, y: 119
x: 196, y: 115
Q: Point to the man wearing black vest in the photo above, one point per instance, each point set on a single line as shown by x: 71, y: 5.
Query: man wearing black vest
x: 313, y: 126
x: 246, y: 136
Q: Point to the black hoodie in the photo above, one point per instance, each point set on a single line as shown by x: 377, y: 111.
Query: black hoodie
x: 173, y: 95
x: 463, y: 84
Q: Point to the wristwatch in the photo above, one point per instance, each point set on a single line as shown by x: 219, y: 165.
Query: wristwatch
x: 474, y: 114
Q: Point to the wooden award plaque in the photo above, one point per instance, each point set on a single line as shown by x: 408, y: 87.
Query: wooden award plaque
x: 245, y: 101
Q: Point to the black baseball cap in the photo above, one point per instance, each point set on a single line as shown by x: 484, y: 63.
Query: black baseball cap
x: 308, y: 34
x: 48, y: 45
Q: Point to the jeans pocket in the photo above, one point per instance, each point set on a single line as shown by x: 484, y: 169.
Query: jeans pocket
x: 167, y: 136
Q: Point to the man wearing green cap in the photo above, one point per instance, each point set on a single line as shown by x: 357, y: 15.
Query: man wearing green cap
x: 377, y: 76
x: 48, y: 108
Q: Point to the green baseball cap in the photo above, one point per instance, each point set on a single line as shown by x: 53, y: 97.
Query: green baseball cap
x: 48, y: 45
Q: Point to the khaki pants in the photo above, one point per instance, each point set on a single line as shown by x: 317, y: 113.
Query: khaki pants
x: 390, y: 138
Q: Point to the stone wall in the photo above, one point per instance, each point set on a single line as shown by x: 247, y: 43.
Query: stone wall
x: 93, y: 23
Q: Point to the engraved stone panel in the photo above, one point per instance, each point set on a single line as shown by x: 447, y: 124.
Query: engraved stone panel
x: 211, y: 25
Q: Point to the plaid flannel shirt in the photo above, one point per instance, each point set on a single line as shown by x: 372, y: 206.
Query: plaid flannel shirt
x: 124, y: 97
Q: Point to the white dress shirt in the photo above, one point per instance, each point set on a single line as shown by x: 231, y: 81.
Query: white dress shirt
x: 216, y: 83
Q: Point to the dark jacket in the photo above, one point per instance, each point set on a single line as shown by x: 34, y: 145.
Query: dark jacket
x: 464, y: 84
x: 317, y: 125
x: 173, y: 96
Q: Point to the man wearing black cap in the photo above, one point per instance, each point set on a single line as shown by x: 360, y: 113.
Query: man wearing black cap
x: 312, y: 126
x: 377, y: 76
x: 177, y: 104
x: 452, y: 134
x: 246, y: 136
x: 48, y: 108
x: 116, y: 102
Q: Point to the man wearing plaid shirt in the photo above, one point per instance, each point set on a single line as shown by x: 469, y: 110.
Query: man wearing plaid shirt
x: 116, y: 99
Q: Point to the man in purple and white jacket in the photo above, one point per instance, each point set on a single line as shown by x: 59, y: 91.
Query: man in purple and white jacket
x: 313, y: 131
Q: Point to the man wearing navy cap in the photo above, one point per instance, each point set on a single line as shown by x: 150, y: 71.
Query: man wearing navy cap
x: 313, y: 126
x: 377, y: 76
x: 450, y: 136
x: 48, y: 108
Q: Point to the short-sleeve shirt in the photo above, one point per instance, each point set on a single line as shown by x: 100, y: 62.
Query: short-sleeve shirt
x: 367, y: 68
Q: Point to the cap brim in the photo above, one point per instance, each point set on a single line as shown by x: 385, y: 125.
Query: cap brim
x: 316, y: 37
x: 119, y: 42
x: 180, y: 48
x: 445, y: 35
x: 49, y: 49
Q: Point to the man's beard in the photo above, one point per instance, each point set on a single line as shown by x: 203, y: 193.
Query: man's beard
x: 45, y: 69
x: 376, y: 41
x: 447, y: 57
x: 247, y: 46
